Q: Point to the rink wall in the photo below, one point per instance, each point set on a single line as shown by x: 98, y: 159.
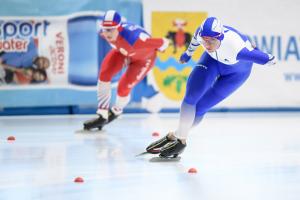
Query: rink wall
x: 67, y: 35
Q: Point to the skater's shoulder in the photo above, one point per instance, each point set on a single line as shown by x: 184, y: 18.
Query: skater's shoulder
x: 233, y: 33
x: 132, y: 32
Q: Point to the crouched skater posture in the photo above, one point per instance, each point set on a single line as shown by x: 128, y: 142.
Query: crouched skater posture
x: 223, y: 68
x: 131, y: 46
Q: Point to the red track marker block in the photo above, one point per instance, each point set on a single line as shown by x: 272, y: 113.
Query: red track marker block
x: 192, y: 170
x: 78, y: 180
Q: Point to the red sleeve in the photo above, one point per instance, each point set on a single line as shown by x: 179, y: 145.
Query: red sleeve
x: 149, y: 43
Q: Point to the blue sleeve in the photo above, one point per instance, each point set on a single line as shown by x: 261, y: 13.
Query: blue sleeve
x: 255, y: 56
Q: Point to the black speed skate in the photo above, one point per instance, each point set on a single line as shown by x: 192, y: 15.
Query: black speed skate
x: 167, y: 149
x: 99, y: 122
x: 172, y: 149
x: 95, y: 123
x: 154, y: 148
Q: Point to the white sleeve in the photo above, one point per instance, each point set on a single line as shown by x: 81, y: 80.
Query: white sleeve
x: 195, y: 42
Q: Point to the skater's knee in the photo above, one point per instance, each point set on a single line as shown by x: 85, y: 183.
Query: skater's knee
x: 193, y: 95
x: 123, y: 90
x: 190, y: 99
x: 105, y: 76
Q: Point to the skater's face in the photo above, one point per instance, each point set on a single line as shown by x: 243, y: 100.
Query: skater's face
x: 210, y: 44
x: 110, y: 34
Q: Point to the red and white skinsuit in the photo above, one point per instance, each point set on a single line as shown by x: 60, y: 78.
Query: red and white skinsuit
x: 135, y: 49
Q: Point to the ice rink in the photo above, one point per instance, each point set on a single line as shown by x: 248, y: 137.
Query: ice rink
x: 238, y: 156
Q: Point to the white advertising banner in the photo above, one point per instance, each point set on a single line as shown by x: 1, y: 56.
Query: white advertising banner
x: 33, y: 50
x: 271, y: 25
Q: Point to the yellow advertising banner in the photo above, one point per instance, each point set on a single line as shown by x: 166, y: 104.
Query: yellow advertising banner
x: 171, y: 76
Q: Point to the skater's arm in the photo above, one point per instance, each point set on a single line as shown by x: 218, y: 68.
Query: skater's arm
x: 194, y: 44
x: 159, y: 44
x: 256, y: 56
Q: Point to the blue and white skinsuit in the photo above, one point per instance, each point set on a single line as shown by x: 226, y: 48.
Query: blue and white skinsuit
x: 217, y: 74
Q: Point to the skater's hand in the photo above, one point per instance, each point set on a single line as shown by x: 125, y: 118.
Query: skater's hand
x: 165, y: 45
x: 272, y: 60
x: 184, y: 58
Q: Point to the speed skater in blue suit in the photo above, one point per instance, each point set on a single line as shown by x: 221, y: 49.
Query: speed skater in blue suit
x: 224, y: 66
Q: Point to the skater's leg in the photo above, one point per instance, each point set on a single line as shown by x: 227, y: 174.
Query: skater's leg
x: 197, y: 119
x: 112, y: 64
x: 188, y: 107
x: 223, y: 87
x: 200, y: 80
x: 120, y: 104
x: 116, y: 110
x: 135, y: 72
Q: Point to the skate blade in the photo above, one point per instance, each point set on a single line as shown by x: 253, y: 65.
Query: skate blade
x: 92, y: 131
x: 146, y: 152
x: 141, y: 154
x: 165, y: 159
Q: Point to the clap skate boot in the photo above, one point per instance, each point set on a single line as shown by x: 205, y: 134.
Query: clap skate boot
x: 172, y: 149
x: 154, y: 148
x: 95, y: 123
x: 111, y: 116
x: 100, y: 121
